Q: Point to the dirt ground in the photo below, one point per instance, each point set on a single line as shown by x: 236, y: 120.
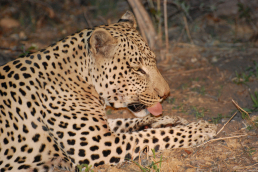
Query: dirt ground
x: 217, y: 64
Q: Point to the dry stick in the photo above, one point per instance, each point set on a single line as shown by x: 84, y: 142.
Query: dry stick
x: 239, y: 108
x: 249, y: 166
x: 145, y: 24
x: 141, y: 152
x: 166, y: 25
x: 49, y: 9
x: 187, y: 30
x: 188, y: 71
x: 87, y: 18
x: 11, y: 49
x: 159, y: 25
x: 179, y: 39
x: 140, y: 161
x: 148, y: 149
x: 242, y: 110
x: 226, y: 123
x: 221, y: 139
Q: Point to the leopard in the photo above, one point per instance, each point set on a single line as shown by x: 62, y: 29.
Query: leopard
x: 52, y: 103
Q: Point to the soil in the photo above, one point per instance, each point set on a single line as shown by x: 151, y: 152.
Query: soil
x: 206, y: 71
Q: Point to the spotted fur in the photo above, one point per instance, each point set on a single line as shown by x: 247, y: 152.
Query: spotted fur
x: 52, y: 104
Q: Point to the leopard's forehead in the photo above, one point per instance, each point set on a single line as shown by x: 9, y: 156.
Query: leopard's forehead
x: 125, y: 34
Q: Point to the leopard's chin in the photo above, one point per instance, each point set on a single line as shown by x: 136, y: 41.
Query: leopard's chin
x: 136, y: 107
x: 139, y: 110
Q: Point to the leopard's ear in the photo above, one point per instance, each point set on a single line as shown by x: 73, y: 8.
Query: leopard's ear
x: 102, y: 42
x: 129, y: 18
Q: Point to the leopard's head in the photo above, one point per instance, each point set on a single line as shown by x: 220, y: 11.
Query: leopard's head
x: 123, y: 68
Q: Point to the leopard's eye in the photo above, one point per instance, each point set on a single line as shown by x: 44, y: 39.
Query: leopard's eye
x: 136, y: 68
x: 142, y: 71
x: 139, y: 70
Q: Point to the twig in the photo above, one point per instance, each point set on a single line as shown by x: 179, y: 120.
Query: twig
x: 226, y: 123
x: 87, y: 19
x: 49, y: 9
x: 102, y: 19
x: 187, y: 30
x: 178, y: 40
x: 239, y: 108
x: 166, y: 24
x: 249, y: 166
x: 12, y: 49
x: 140, y: 161
x: 157, y: 16
x: 145, y: 24
x: 221, y: 139
x: 159, y: 24
x: 188, y: 71
x: 242, y: 110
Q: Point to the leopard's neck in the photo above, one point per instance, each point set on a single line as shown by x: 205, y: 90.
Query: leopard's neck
x: 66, y: 60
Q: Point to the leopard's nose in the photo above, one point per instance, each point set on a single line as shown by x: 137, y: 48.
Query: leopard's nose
x: 162, y: 94
x: 160, y: 85
x: 165, y: 95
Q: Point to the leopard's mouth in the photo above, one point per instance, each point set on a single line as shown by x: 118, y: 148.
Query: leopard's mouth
x: 136, y: 107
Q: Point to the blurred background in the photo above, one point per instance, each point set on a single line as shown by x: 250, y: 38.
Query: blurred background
x: 198, y: 22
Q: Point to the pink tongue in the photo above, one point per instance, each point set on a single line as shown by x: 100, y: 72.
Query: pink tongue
x: 155, y: 109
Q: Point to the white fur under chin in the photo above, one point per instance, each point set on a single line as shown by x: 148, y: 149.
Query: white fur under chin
x: 142, y: 113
